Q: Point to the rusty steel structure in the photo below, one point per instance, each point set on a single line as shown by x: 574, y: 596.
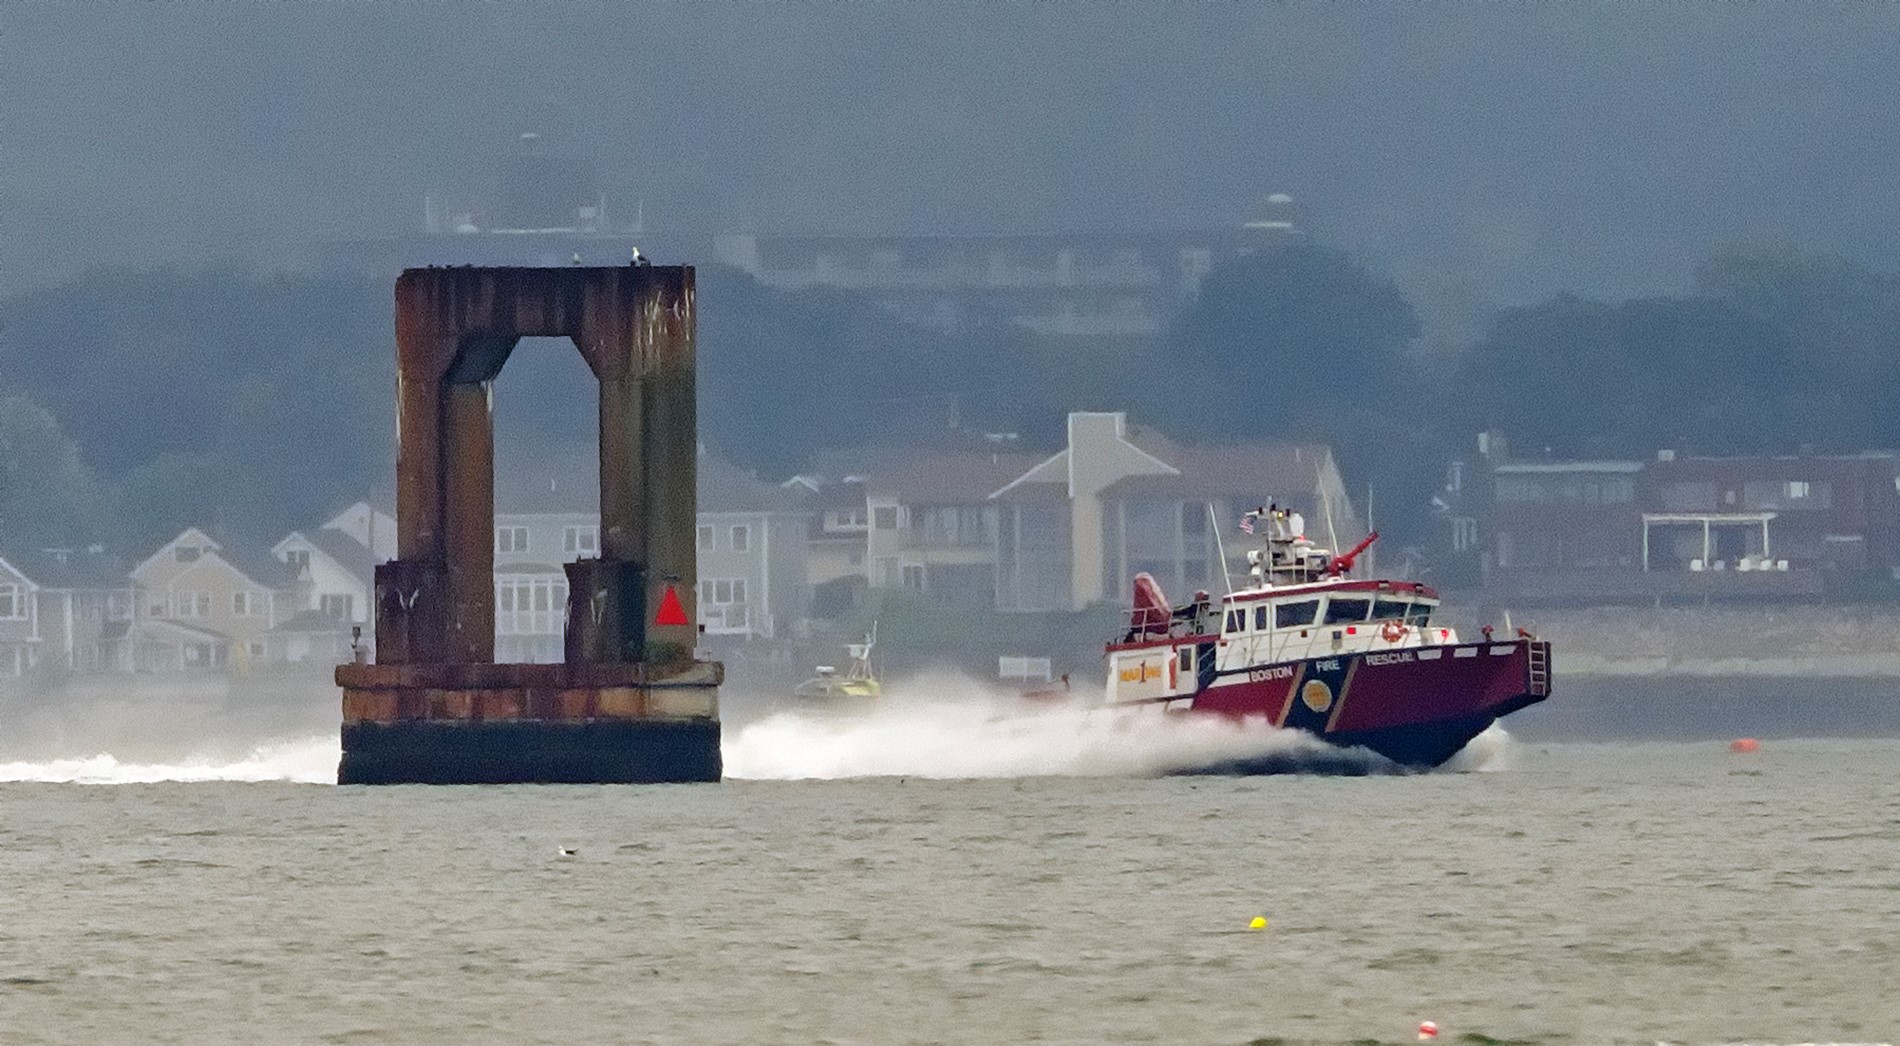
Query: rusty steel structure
x: 630, y: 703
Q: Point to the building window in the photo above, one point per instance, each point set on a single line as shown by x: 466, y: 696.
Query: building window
x: 299, y: 560
x: 722, y: 605
x: 853, y: 518
x: 244, y: 604
x: 187, y: 553
x: 1464, y: 534
x: 530, y: 606
x: 741, y: 538
x: 338, y: 607
x: 914, y: 576
x: 1778, y: 494
x: 721, y: 591
x: 885, y: 517
x: 705, y: 542
x: 192, y: 604
x: 256, y: 651
x: 581, y: 539
x: 12, y: 607
x: 959, y: 526
x: 511, y: 539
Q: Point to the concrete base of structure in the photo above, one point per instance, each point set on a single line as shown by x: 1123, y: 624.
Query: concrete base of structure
x: 648, y: 751
x: 530, y: 724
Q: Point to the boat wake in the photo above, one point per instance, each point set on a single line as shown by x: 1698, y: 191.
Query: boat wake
x: 973, y: 735
x: 307, y: 761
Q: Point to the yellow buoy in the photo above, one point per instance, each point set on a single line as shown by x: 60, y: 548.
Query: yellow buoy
x: 1259, y: 923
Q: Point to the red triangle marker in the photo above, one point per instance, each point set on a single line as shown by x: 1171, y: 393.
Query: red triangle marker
x: 671, y: 612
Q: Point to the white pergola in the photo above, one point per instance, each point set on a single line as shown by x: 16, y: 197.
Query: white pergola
x: 1708, y: 521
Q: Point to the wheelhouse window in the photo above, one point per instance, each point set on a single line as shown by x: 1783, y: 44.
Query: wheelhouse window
x: 1347, y: 611
x: 1295, y: 615
x: 1389, y: 609
x: 1419, y: 615
x: 1236, y: 620
x: 1260, y: 618
x: 1187, y: 660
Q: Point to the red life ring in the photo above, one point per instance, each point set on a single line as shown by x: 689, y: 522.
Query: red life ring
x: 1393, y: 632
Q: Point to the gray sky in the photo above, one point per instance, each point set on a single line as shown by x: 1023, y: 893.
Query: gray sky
x: 1509, y: 150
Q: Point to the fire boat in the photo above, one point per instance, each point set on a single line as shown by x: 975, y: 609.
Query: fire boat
x: 1358, y: 663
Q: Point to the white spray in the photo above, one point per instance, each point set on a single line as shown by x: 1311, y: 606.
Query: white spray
x: 307, y: 761
x: 959, y: 731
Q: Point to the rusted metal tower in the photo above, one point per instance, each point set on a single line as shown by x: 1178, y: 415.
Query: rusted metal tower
x: 630, y: 703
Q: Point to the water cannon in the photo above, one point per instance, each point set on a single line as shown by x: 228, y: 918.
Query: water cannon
x: 1342, y: 564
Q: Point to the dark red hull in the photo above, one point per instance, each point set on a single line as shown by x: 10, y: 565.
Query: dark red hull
x: 1417, y: 706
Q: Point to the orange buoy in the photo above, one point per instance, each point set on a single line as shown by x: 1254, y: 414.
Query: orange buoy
x: 1744, y: 745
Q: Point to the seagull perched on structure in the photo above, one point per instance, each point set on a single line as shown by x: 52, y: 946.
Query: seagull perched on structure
x: 577, y: 257
x: 636, y: 258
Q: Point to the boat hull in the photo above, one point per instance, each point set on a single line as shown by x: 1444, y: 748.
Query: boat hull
x: 1417, y: 706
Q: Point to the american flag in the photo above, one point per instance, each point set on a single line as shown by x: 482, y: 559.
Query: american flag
x: 1246, y: 523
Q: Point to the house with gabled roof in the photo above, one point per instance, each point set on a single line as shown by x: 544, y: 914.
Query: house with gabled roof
x: 201, y: 604
x: 750, y: 544
x: 914, y: 518
x: 1117, y: 501
x: 369, y: 527
x: 339, y: 573
x: 61, y: 608
x: 335, y: 611
x: 977, y: 521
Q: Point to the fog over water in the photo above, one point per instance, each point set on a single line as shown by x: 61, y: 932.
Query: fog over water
x: 1520, y: 149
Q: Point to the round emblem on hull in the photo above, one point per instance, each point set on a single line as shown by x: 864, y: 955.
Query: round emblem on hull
x: 1317, y: 695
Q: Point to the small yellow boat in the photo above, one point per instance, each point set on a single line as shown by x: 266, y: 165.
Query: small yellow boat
x: 856, y: 690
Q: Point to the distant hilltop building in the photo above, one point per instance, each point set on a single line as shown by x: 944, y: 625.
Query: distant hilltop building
x: 547, y: 208
x: 1089, y: 285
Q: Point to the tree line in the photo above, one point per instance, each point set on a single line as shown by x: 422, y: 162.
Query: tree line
x: 136, y: 403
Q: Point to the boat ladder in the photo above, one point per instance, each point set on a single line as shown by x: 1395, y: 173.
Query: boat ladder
x: 1540, y: 667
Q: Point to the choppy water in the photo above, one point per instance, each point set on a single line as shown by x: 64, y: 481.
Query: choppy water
x: 1577, y: 894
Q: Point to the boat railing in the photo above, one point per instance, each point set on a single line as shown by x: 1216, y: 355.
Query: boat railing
x: 1151, y: 623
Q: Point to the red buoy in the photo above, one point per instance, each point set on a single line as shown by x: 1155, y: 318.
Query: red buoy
x: 1744, y: 745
